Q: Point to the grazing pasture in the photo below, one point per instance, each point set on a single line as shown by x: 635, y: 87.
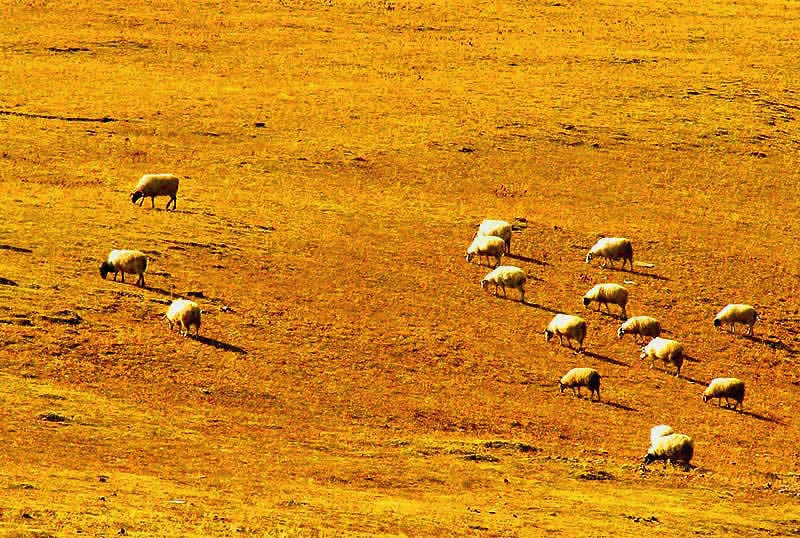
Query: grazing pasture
x: 351, y: 378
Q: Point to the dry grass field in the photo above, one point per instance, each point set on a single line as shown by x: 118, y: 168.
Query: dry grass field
x: 351, y: 378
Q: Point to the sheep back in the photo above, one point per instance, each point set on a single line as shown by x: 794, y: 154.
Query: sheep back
x: 567, y: 325
x: 725, y: 387
x: 659, y: 431
x: 498, y: 228
x: 669, y: 351
x: 612, y: 248
x: 675, y: 447
x: 486, y: 245
x: 185, y: 313
x: 125, y: 261
x: 737, y: 313
x: 640, y: 325
x: 581, y: 377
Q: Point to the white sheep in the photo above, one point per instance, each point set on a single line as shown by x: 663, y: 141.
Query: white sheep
x: 669, y: 351
x: 506, y: 276
x: 184, y: 313
x: 659, y: 431
x: 125, y: 261
x: 153, y: 185
x: 497, y: 228
x: 487, y: 245
x: 674, y: 447
x: 612, y: 249
x: 640, y: 326
x: 581, y: 377
x: 573, y: 327
x: 737, y: 313
x: 729, y: 388
x: 605, y: 294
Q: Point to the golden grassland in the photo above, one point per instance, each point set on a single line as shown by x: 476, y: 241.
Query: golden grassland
x: 351, y: 378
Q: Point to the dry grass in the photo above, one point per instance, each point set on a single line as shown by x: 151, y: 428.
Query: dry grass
x: 352, y: 379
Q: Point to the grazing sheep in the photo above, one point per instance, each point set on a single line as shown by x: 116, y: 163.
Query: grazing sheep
x: 569, y: 326
x: 153, y: 185
x: 497, y: 228
x: 669, y: 351
x: 659, y: 431
x: 607, y: 293
x: 674, y: 447
x: 612, y: 249
x: 506, y: 276
x: 737, y: 313
x: 184, y: 313
x: 125, y: 261
x: 487, y: 245
x: 581, y: 377
x: 640, y: 326
x: 725, y: 387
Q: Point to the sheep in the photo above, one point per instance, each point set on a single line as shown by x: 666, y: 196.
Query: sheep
x: 506, y: 276
x: 125, y: 261
x: 674, y: 447
x: 487, y: 245
x: 184, y: 313
x: 612, y: 249
x: 669, y: 351
x: 569, y: 326
x: 607, y: 293
x: 581, y: 377
x: 659, y: 431
x: 153, y: 185
x: 497, y: 228
x: 640, y: 326
x: 725, y: 387
x: 737, y: 313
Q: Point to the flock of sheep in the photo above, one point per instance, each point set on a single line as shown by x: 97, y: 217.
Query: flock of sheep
x: 493, y: 241
x: 182, y: 312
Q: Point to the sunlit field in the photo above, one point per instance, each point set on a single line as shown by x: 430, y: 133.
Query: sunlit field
x: 351, y: 377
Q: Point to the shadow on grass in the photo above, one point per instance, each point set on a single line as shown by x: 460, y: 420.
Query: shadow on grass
x: 693, y: 380
x: 528, y: 259
x: 603, y: 358
x: 773, y: 344
x: 219, y: 345
x: 616, y: 405
x: 160, y: 291
x: 541, y: 307
x: 654, y: 276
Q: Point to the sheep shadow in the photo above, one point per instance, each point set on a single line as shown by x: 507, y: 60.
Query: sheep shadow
x: 542, y: 307
x: 527, y: 259
x: 620, y: 406
x: 654, y: 276
x: 772, y: 344
x: 160, y: 291
x: 757, y: 416
x: 603, y: 358
x: 693, y: 380
x: 224, y: 346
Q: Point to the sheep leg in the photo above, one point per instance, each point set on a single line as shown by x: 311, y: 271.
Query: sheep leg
x: 504, y: 290
x: 141, y: 201
x: 560, y: 339
x: 122, y: 273
x: 153, y: 202
x: 140, y: 282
